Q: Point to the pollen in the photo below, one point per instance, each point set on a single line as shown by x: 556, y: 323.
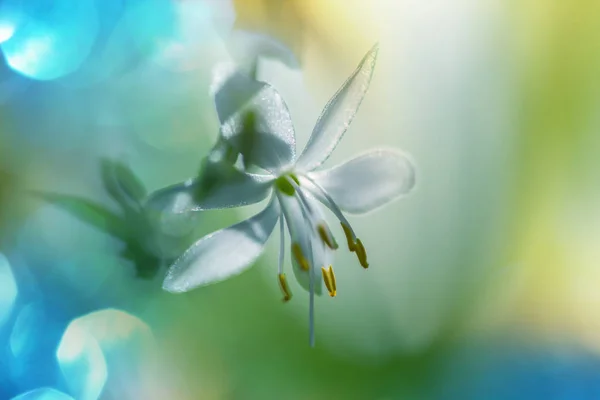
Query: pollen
x: 299, y: 256
x: 287, y: 294
x: 326, y: 237
x: 361, y: 254
x: 349, y: 238
x: 329, y: 279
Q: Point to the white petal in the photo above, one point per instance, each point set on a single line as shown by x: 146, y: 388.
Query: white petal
x: 238, y: 190
x: 222, y: 254
x: 368, y: 181
x: 272, y: 141
x: 232, y: 90
x: 338, y: 114
x: 301, y: 233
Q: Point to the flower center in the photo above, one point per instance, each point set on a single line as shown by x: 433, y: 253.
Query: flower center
x: 288, y: 185
x: 283, y: 184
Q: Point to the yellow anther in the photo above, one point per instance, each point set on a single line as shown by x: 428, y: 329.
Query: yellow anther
x: 349, y: 237
x: 299, y: 256
x: 361, y: 254
x: 287, y: 294
x: 326, y: 237
x: 329, y: 279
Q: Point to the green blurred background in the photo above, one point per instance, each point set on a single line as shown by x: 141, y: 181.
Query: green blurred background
x: 483, y: 282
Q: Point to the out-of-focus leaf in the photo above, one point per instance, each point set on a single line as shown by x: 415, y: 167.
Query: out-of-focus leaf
x: 133, y: 230
x: 122, y: 184
x: 90, y: 212
x: 146, y: 264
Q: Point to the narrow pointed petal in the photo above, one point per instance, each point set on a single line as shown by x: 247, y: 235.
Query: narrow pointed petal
x: 166, y: 206
x: 240, y: 189
x: 222, y: 254
x: 254, y: 119
x: 232, y: 89
x: 368, y: 181
x: 301, y: 234
x: 338, y: 114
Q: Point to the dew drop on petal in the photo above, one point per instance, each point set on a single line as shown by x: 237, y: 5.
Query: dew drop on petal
x: 43, y: 394
x: 81, y: 362
x: 8, y: 289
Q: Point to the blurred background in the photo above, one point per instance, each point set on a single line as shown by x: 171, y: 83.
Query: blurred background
x: 483, y: 282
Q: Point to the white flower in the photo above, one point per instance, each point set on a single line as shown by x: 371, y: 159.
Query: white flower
x: 296, y: 188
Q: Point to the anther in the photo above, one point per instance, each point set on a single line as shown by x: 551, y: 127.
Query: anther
x: 326, y: 237
x: 329, y: 279
x: 349, y: 236
x: 287, y: 294
x: 299, y: 256
x: 361, y: 254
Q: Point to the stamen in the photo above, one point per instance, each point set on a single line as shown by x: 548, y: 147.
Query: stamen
x: 284, y: 186
x: 311, y: 308
x: 299, y: 256
x: 281, y: 244
x: 329, y: 279
x: 327, y: 237
x: 324, y: 197
x: 287, y: 294
x: 295, y: 178
x: 310, y: 215
x: 349, y: 236
x: 361, y: 254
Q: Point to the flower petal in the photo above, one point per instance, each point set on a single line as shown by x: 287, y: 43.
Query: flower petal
x: 367, y: 181
x: 302, y: 234
x: 338, y: 114
x: 222, y: 254
x: 223, y: 187
x: 254, y: 119
x: 238, y: 189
